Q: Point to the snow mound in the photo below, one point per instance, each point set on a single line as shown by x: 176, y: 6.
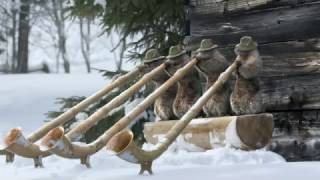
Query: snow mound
x: 220, y: 156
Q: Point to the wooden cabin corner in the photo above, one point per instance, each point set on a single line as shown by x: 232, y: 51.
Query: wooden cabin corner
x: 288, y: 33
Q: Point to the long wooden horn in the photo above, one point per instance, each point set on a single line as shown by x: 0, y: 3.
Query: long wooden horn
x: 65, y: 148
x: 18, y: 144
x: 76, y: 132
x: 123, y: 145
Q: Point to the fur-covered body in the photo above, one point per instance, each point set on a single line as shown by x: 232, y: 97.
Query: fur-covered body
x: 54, y: 135
x: 163, y: 106
x: 13, y: 135
x: 246, y: 96
x: 189, y: 87
x: 211, y: 66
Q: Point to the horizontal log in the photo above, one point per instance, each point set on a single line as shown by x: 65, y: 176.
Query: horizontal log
x: 300, y: 123
x: 201, y: 7
x: 266, y: 26
x: 296, y: 135
x: 244, y: 132
x: 285, y: 65
x: 290, y: 93
x: 290, y: 75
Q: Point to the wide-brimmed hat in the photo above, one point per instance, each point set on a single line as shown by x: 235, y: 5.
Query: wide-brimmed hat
x: 247, y: 44
x: 152, y: 55
x: 206, y: 45
x: 175, y: 51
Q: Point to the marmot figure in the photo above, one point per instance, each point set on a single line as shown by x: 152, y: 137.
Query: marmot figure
x: 211, y: 64
x: 163, y: 104
x: 12, y: 136
x: 246, y: 96
x: 189, y: 87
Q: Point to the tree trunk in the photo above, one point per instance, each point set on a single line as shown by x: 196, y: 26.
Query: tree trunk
x: 14, y: 38
x: 59, y: 18
x: 24, y: 29
x: 85, y: 43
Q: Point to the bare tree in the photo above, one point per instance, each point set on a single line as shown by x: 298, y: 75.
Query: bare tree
x: 117, y: 61
x: 14, y: 13
x: 58, y: 14
x: 59, y: 18
x: 9, y: 15
x: 23, y: 36
x: 85, y: 40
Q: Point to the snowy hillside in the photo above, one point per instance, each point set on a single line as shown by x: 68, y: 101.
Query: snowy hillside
x: 25, y: 98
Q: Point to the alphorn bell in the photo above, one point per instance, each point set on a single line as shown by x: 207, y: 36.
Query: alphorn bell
x: 63, y: 147
x: 124, y: 147
x: 17, y: 143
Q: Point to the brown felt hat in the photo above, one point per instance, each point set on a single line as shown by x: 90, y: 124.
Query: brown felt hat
x: 206, y: 45
x: 247, y: 44
x: 175, y: 51
x: 152, y: 55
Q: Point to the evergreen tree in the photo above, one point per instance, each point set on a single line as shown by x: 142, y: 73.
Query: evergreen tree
x: 142, y: 24
x: 151, y: 23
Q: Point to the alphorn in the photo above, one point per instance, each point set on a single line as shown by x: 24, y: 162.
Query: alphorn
x: 124, y: 147
x: 17, y: 143
x: 76, y: 132
x: 62, y: 146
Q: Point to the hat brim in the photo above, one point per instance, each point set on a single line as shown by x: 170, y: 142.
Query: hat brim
x: 154, y: 59
x: 207, y: 49
x: 250, y: 48
x: 176, y: 55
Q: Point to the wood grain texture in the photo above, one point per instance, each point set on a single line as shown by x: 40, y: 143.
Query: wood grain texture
x: 269, y: 25
x: 219, y: 7
x: 290, y: 78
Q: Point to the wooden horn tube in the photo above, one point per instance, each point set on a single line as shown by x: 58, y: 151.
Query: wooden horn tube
x: 248, y: 131
x: 84, y: 126
x: 28, y: 149
x: 83, y: 104
x: 145, y: 158
x: 65, y: 148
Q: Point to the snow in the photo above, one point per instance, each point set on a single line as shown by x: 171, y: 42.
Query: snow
x: 100, y: 2
x: 25, y: 98
x: 220, y: 164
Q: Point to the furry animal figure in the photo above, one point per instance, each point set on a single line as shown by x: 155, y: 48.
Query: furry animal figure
x: 12, y: 136
x: 246, y: 96
x: 189, y: 87
x: 54, y: 135
x: 163, y: 106
x: 211, y: 64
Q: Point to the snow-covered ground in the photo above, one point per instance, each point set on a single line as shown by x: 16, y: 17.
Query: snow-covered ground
x: 25, y: 98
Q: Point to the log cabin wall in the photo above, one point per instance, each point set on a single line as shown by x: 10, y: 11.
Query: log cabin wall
x: 288, y: 33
